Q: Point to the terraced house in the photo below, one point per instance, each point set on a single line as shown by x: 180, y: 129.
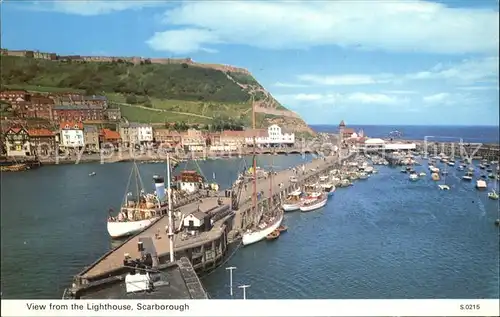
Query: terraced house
x: 91, y: 138
x: 71, y: 136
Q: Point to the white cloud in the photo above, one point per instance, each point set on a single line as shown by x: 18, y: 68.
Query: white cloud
x: 341, y: 80
x: 296, y: 100
x: 397, y: 26
x: 92, y: 7
x: 400, y: 92
x: 469, y: 71
x: 289, y: 85
x: 436, y: 98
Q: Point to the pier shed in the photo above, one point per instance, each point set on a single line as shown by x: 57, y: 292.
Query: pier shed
x: 196, y: 221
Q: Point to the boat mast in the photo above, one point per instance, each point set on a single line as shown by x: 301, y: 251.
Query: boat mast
x: 271, y: 172
x: 170, y: 222
x: 254, y: 163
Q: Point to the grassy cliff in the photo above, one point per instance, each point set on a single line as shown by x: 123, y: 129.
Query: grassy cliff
x: 149, y: 92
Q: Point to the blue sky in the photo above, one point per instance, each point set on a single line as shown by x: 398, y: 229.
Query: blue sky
x: 373, y: 62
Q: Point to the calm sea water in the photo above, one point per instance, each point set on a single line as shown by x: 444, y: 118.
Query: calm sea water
x: 484, y: 134
x: 385, y: 237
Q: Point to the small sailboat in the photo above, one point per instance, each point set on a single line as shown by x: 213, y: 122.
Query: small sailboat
x: 467, y: 176
x: 92, y: 174
x: 444, y: 186
x: 273, y: 235
x: 493, y: 195
x: 481, y: 184
x: 413, y: 176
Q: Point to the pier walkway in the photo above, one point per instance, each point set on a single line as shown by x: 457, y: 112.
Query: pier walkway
x: 114, y: 259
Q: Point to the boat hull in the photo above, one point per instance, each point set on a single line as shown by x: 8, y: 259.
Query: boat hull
x: 256, y: 236
x: 312, y: 207
x: 128, y: 228
x: 291, y: 207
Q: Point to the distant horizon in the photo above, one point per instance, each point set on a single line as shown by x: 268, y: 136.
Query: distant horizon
x: 405, y: 125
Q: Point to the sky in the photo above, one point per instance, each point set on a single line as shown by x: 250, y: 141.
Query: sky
x: 366, y: 62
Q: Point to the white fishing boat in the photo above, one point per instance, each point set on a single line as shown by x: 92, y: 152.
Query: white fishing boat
x: 422, y: 174
x: 467, y: 176
x: 262, y: 230
x: 314, y: 201
x: 444, y: 186
x: 481, y: 184
x: 293, y: 201
x: 328, y: 188
x: 451, y: 163
x: 434, y: 170
x: 369, y: 169
x: 138, y: 211
x: 460, y: 168
x: 363, y: 175
x: 92, y: 174
x: 413, y: 176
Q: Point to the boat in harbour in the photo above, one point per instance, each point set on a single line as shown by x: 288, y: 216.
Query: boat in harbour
x: 282, y: 228
x: 422, y: 174
x: 451, y: 163
x: 481, y: 184
x: 263, y: 230
x: 468, y: 176
x: 413, y: 176
x: 435, y: 176
x: 444, y: 186
x: 138, y: 211
x: 314, y: 201
x: 273, y: 235
x: 293, y: 201
x: 364, y: 175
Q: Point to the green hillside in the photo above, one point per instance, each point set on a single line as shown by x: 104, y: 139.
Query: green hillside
x: 148, y: 92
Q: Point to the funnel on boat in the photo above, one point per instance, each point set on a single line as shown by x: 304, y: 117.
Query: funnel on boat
x: 159, y: 184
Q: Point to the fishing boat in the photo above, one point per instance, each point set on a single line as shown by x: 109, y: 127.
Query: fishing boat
x: 293, y: 201
x: 314, y: 201
x: 369, y: 169
x: 328, y: 188
x: 403, y: 170
x: 141, y: 210
x: 92, y: 174
x: 468, y: 176
x: 481, y: 184
x: 282, y: 228
x: 460, y: 168
x: 435, y: 176
x: 434, y: 170
x: 422, y: 174
x: 363, y: 175
x: 451, y: 163
x: 273, y: 235
x: 444, y: 186
x: 413, y: 176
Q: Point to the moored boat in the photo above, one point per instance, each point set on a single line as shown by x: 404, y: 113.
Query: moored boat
x: 273, y: 235
x: 282, y: 228
x: 413, y: 176
x: 435, y: 176
x: 364, y: 175
x: 481, y: 184
x: 314, y: 201
x: 329, y: 189
x: 293, y: 201
x: 262, y: 230
x: 467, y: 176
x: 138, y: 211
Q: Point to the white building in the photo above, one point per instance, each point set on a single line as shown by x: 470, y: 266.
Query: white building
x: 144, y: 133
x: 275, y: 136
x: 71, y: 135
x: 379, y: 144
x: 136, y: 133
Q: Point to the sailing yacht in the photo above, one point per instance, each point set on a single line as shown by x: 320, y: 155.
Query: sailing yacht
x: 141, y: 210
x: 264, y: 225
x: 493, y: 194
x: 444, y: 186
x: 467, y: 176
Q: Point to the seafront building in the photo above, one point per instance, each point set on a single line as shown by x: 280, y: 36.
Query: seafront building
x: 274, y: 136
x: 72, y: 137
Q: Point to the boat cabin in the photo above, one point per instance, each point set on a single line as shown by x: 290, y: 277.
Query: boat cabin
x: 197, y: 222
x: 294, y: 196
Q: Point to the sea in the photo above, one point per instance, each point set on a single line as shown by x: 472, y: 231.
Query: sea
x: 384, y: 237
x: 468, y: 134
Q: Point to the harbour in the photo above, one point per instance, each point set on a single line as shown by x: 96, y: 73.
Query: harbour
x: 355, y: 209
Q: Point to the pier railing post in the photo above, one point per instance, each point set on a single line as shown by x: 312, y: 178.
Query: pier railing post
x: 244, y: 288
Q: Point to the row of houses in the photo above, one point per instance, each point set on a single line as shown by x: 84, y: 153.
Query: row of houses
x: 59, y: 107
x: 19, y: 141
